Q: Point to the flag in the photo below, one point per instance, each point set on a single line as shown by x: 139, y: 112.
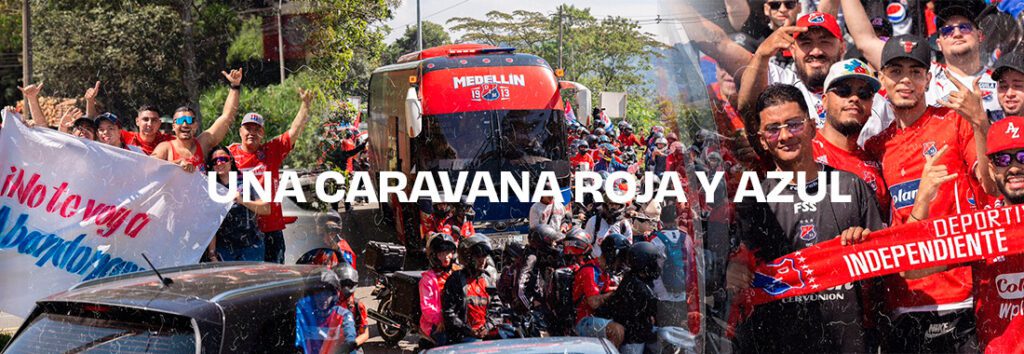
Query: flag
x: 570, y: 116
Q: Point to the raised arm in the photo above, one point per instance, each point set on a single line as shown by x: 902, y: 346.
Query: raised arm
x: 31, y: 94
x: 715, y: 42
x: 90, y: 101
x: 738, y: 12
x: 859, y: 27
x: 299, y: 123
x: 756, y: 79
x: 219, y: 129
x: 830, y: 7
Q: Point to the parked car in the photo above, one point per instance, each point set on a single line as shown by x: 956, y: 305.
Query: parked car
x: 231, y: 307
x: 579, y: 345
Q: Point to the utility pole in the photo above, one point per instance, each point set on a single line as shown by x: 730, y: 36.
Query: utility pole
x: 280, y: 40
x: 419, y: 28
x: 560, y: 36
x: 26, y: 48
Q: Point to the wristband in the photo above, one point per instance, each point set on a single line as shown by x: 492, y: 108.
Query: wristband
x: 234, y: 87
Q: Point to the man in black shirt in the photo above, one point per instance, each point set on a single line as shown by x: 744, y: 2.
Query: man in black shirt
x: 827, y: 321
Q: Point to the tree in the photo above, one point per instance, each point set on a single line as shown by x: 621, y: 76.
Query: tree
x: 433, y: 35
x: 10, y: 51
x: 605, y: 55
x: 344, y: 31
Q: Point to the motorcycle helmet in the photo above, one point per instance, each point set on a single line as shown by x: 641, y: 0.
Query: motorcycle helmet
x: 614, y: 248
x: 591, y: 140
x: 439, y: 242
x: 603, y: 139
x: 474, y: 247
x: 599, y: 131
x: 544, y: 238
x: 644, y: 259
x: 577, y: 243
x: 662, y: 141
x: 344, y: 278
x: 512, y: 252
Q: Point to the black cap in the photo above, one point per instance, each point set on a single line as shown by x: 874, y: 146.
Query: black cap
x: 969, y: 9
x: 1010, y: 60
x: 907, y: 46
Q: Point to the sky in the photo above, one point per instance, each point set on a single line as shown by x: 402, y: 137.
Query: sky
x: 439, y: 11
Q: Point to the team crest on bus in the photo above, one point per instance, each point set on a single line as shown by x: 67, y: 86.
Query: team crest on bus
x: 778, y: 286
x: 490, y: 93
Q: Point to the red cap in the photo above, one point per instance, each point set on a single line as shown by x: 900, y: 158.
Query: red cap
x: 820, y: 19
x: 1006, y: 134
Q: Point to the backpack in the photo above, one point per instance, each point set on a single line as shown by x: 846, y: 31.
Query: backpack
x: 673, y: 275
x: 561, y: 301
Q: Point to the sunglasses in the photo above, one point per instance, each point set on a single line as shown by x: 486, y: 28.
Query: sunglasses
x: 795, y: 127
x: 1004, y: 159
x: 965, y: 28
x: 844, y: 91
x: 217, y: 161
x: 774, y: 5
x: 184, y: 120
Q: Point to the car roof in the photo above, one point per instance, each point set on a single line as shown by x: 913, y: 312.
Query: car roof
x: 532, y: 346
x: 211, y: 282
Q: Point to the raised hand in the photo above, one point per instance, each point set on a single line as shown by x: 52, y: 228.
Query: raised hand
x: 92, y: 92
x: 966, y: 101
x: 305, y: 95
x: 68, y: 118
x: 31, y: 91
x: 781, y: 39
x: 234, y: 78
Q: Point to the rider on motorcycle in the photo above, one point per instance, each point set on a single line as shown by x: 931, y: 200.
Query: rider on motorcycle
x: 627, y: 138
x: 592, y: 287
x: 610, y: 219
x: 464, y: 300
x: 634, y: 304
x: 440, y: 256
x: 543, y: 253
x: 583, y: 160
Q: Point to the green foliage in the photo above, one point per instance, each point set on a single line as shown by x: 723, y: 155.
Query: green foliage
x: 433, y: 35
x: 605, y: 55
x: 344, y: 36
x: 248, y: 45
x: 135, y: 47
x: 4, y: 339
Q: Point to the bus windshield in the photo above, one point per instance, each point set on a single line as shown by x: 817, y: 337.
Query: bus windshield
x: 488, y: 140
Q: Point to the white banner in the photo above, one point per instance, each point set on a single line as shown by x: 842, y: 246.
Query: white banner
x: 73, y: 210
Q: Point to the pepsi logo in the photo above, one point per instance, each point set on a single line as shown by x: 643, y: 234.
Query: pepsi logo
x: 897, y: 12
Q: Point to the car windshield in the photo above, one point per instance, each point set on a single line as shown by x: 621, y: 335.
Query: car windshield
x: 59, y: 333
x: 471, y: 140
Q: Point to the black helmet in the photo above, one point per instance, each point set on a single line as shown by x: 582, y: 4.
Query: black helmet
x: 512, y: 252
x: 591, y: 139
x: 613, y: 247
x: 439, y: 242
x: 643, y: 260
x: 577, y: 243
x: 659, y: 135
x: 342, y: 277
x: 599, y: 131
x: 475, y: 246
x: 544, y: 237
x: 603, y: 139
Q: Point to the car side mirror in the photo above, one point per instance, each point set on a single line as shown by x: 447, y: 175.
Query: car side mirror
x: 413, y: 113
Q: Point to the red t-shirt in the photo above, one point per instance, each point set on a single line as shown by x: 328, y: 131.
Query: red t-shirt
x: 477, y: 301
x: 856, y: 162
x: 590, y: 280
x: 134, y: 138
x: 999, y: 300
x: 902, y: 154
x: 358, y: 313
x: 268, y: 158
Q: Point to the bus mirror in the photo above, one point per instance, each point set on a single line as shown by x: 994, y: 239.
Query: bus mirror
x: 413, y: 114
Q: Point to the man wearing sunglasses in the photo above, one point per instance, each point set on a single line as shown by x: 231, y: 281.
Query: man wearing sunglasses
x: 930, y: 314
x: 829, y: 321
x: 188, y: 148
x: 959, y: 40
x: 850, y: 90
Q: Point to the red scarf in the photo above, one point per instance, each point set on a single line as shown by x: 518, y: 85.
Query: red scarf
x: 934, y: 242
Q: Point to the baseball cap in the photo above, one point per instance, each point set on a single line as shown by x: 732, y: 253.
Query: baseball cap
x: 820, y: 19
x: 907, y: 46
x: 969, y: 9
x: 1005, y: 135
x: 1010, y: 60
x: 252, y: 118
x: 110, y: 117
x: 851, y: 69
